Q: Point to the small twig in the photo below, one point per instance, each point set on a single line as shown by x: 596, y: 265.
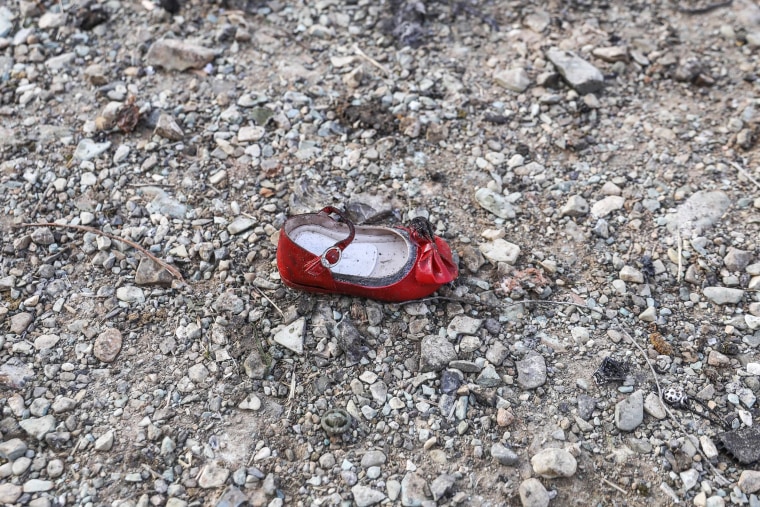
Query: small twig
x: 613, y: 485
x: 371, y: 60
x: 489, y: 305
x: 171, y: 269
x: 680, y: 259
x: 744, y: 173
x: 270, y: 301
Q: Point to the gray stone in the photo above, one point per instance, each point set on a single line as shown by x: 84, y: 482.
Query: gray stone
x: 9, y: 493
x: 198, y: 373
x: 107, y: 345
x: 611, y: 54
x: 441, y: 485
x: 60, y: 61
x: 737, y: 260
x: 497, y: 353
x: 463, y: 325
x: 213, y: 475
x: 54, y: 468
x: 365, y: 496
x: 38, y: 427
x: 698, y: 213
x: 373, y: 458
x: 167, y: 127
x: 552, y: 463
x: 104, y: 442
x: 631, y: 274
x: 579, y: 74
x: 412, y: 490
x: 708, y: 447
x: 232, y: 497
x: 291, y: 336
x: 689, y: 478
x: 435, y: 353
x: 12, y: 449
x: 533, y: 493
x: 723, y: 295
x: 629, y: 413
x: 531, y: 372
x: 229, y: 302
x: 174, y: 54
x: 495, y: 203
x: 654, y: 406
x: 586, y: 406
x: 516, y: 79
x: 255, y: 366
x: 130, y: 294
x: 150, y: 272
x: 749, y: 481
x: 607, y: 205
x: 164, y: 204
x: 240, y: 224
x: 576, y: 206
x: 46, y: 341
x: 20, y: 322
x: 504, y: 455
x: 488, y: 377
x: 38, y: 486
x: 500, y: 250
x: 88, y: 149
x: 250, y: 134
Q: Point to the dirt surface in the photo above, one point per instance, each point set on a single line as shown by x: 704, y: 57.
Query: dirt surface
x: 602, y: 207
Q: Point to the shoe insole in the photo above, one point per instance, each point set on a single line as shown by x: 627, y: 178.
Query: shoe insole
x: 358, y: 259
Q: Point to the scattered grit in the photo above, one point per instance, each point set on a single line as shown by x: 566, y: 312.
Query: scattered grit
x: 601, y: 156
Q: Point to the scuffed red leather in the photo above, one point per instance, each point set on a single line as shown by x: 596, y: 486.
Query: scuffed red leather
x: 433, y: 267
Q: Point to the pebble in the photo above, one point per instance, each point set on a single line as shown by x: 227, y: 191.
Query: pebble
x: 654, y: 406
x: 167, y: 127
x: 723, y: 295
x: 689, y: 478
x: 579, y: 74
x: 515, y: 79
x: 552, y: 463
x: 38, y: 427
x: 172, y: 54
x: 749, y: 481
x: 240, y: 224
x: 715, y: 358
x: 12, y: 449
x: 150, y: 272
x: 435, y: 353
x: 130, y: 294
x: 107, y: 345
x: 46, y: 341
x: 500, y: 250
x: 373, y: 458
x: 229, y: 302
x: 463, y: 325
x: 533, y: 493
x: 20, y: 322
x: 38, y: 486
x: 250, y: 134
x: 629, y: 413
x: 87, y: 149
x: 504, y: 455
x: 413, y: 490
x: 441, y: 486
x: 605, y: 206
x: 576, y: 206
x: 365, y: 496
x: 631, y: 275
x: 611, y: 54
x: 105, y: 441
x: 531, y: 372
x: 9, y: 493
x: 291, y: 336
x: 213, y: 475
x: 495, y: 203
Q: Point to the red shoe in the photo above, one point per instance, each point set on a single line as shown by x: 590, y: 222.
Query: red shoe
x: 317, y: 253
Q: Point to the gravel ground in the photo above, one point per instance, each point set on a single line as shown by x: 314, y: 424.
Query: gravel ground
x: 593, y: 165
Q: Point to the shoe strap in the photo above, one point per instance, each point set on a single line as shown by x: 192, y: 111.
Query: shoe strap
x: 332, y: 255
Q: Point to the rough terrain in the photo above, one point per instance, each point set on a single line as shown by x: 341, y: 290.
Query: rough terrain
x: 594, y: 166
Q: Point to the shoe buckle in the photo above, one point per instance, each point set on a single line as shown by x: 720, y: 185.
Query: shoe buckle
x: 325, y: 260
